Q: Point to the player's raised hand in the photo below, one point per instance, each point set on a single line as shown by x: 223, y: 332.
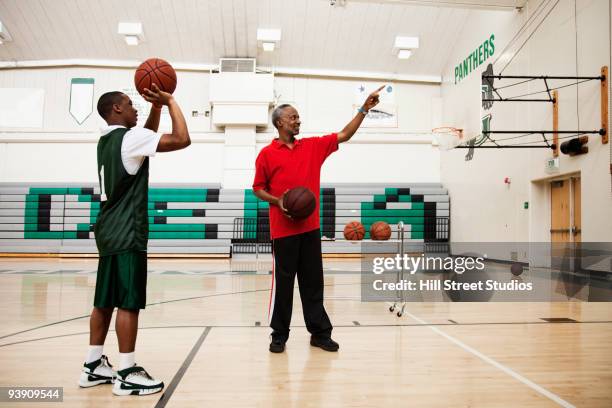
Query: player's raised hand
x: 156, y: 96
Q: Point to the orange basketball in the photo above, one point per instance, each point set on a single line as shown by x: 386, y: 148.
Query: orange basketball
x: 380, y: 231
x: 157, y: 71
x: 354, y: 231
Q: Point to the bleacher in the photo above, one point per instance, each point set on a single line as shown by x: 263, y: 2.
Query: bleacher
x: 205, y: 219
x: 424, y: 209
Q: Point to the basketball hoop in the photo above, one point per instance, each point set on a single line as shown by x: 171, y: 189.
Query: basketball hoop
x: 447, y: 137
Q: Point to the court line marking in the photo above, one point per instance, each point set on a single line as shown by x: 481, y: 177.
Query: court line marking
x: 220, y: 326
x: 163, y: 400
x: 496, y: 364
x: 159, y: 303
x: 216, y: 295
x: 43, y: 326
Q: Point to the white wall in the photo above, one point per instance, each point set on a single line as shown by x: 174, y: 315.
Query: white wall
x: 64, y: 151
x: 483, y: 208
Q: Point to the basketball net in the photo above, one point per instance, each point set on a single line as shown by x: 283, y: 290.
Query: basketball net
x: 447, y: 137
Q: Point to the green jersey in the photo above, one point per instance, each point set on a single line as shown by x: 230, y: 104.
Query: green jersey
x: 123, y: 223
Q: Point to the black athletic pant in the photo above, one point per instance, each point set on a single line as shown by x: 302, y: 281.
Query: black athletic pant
x: 299, y: 254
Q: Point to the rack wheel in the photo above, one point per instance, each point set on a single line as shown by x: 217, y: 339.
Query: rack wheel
x: 399, y: 314
x: 391, y: 308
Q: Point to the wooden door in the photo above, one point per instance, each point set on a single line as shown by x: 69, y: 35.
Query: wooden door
x: 559, y: 211
x: 565, y: 210
x: 577, y: 224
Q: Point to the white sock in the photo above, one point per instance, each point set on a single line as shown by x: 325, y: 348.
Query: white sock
x: 126, y: 360
x: 94, y: 353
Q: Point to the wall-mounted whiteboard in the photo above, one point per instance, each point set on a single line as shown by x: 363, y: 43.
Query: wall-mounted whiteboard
x: 22, y: 107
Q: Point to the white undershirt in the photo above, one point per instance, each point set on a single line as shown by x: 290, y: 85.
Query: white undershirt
x: 137, y: 144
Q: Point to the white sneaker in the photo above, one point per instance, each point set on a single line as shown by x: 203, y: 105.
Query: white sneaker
x: 136, y: 381
x: 96, y: 373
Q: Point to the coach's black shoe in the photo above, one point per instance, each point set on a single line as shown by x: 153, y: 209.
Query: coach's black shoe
x: 326, y: 343
x: 277, y: 345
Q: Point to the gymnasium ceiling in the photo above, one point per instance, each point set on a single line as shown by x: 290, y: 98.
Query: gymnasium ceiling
x: 353, y: 35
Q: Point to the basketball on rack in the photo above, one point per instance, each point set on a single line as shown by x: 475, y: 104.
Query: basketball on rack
x: 354, y: 231
x: 516, y: 269
x: 380, y: 231
x: 155, y: 71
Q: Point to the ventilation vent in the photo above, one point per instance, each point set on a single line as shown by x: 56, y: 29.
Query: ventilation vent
x: 237, y: 65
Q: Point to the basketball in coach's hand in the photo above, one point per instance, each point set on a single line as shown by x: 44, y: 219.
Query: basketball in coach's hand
x: 299, y: 202
x: 380, y: 231
x: 155, y: 71
x: 354, y: 231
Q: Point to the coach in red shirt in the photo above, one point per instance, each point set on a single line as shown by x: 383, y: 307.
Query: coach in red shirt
x: 286, y: 163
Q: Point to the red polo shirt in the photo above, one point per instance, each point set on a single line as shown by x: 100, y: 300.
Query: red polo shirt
x: 279, y: 168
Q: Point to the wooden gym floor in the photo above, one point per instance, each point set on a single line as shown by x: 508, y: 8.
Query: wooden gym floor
x: 205, y: 334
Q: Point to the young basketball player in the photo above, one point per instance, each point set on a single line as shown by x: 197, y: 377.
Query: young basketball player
x: 286, y: 163
x: 122, y: 233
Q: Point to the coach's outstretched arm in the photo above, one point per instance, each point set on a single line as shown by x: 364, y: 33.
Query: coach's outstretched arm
x: 350, y: 129
x: 179, y: 138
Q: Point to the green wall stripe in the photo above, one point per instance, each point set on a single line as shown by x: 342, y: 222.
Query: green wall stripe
x: 36, y: 190
x: 44, y: 235
x: 170, y: 213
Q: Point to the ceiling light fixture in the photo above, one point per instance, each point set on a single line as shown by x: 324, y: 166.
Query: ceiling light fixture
x: 131, y: 40
x: 404, y: 46
x: 132, y: 32
x: 268, y: 38
x: 268, y: 46
x: 404, y: 54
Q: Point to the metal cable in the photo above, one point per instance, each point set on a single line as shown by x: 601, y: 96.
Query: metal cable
x: 517, y: 83
x: 551, y: 89
x: 530, y: 35
x: 547, y: 140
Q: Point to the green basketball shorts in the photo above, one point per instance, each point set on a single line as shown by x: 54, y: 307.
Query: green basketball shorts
x: 122, y: 281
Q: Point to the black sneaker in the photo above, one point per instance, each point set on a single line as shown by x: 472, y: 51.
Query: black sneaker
x: 326, y: 344
x: 277, y: 345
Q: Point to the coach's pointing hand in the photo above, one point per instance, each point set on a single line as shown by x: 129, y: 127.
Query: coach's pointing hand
x: 350, y: 129
x: 372, y: 99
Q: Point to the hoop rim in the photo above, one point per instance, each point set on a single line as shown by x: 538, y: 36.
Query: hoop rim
x: 448, y: 130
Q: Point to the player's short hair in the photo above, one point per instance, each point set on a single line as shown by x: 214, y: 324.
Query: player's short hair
x: 106, y: 102
x: 276, y: 114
